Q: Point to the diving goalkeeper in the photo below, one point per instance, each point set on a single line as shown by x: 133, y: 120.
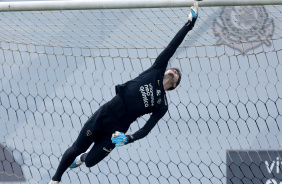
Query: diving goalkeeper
x: 137, y: 97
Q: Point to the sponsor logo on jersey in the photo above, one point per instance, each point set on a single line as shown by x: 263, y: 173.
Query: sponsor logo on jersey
x: 159, y: 101
x: 244, y: 28
x: 147, y: 93
x: 88, y: 133
x: 158, y: 82
x: 158, y: 92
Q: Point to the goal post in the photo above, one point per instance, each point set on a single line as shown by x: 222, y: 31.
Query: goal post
x: 122, y: 4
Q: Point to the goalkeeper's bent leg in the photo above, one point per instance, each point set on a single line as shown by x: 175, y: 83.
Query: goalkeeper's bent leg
x: 99, y: 151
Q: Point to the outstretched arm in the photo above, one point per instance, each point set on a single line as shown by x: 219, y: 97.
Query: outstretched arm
x: 167, y: 53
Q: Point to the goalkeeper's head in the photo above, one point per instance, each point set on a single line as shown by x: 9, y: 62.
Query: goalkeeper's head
x: 173, y: 75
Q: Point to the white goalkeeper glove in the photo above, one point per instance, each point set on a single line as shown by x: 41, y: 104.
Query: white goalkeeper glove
x: 194, y: 12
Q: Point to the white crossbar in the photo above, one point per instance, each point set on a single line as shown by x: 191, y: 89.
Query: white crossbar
x: 123, y: 4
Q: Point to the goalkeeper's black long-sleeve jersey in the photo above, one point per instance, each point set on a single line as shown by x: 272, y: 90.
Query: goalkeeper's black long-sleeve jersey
x: 145, y: 94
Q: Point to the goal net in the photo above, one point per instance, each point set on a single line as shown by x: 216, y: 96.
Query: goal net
x: 224, y: 120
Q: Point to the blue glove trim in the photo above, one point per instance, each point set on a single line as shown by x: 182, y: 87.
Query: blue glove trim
x: 195, y: 15
x: 119, y: 144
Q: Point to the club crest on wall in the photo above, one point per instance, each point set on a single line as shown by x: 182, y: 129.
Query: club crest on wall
x: 244, y: 28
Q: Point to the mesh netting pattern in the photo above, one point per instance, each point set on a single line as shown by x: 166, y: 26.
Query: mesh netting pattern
x: 58, y: 67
